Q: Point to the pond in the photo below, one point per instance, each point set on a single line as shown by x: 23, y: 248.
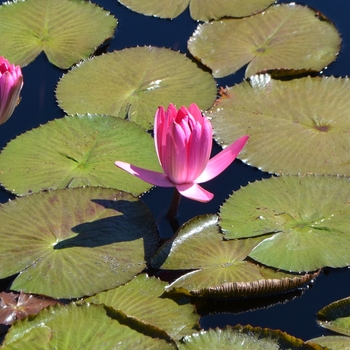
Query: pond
x: 291, y: 311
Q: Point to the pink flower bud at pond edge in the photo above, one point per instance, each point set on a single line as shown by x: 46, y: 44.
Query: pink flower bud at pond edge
x: 183, y: 141
x: 11, y: 82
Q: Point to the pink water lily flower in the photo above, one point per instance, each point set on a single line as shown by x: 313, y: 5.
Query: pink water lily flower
x: 11, y: 82
x: 183, y: 140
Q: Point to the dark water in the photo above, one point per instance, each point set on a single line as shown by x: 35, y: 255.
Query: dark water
x: 296, y: 317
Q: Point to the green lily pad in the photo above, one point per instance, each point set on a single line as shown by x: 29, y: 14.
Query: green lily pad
x: 336, y: 316
x: 163, y: 9
x: 205, y: 10
x: 220, y: 270
x: 75, y: 242
x: 201, y: 10
x: 333, y: 342
x: 78, y: 327
x: 285, y: 36
x: 66, y: 30
x: 146, y: 77
x: 299, y: 126
x: 303, y: 221
x: 77, y: 151
x: 244, y: 337
x: 142, y: 298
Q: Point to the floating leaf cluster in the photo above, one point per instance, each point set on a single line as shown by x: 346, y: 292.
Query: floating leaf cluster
x: 79, y: 231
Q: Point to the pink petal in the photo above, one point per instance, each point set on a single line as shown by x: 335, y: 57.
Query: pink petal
x: 181, y: 113
x: 162, y: 122
x: 221, y: 161
x: 195, y: 112
x: 184, y: 124
x: 195, y: 192
x: 175, y: 155
x: 199, y: 149
x: 150, y: 176
x: 159, y: 130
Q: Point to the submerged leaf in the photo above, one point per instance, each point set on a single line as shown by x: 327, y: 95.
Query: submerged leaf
x: 75, y: 242
x: 302, y: 221
x: 66, y: 30
x: 299, y: 126
x: 146, y: 77
x: 285, y: 36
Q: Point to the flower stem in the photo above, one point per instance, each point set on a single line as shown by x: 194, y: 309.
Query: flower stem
x: 172, y: 212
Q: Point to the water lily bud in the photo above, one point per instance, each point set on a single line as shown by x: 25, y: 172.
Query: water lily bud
x: 11, y: 82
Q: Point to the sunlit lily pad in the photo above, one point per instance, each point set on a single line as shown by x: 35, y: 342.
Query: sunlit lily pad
x: 142, y: 298
x: 133, y: 82
x: 336, y: 316
x: 79, y: 327
x: 164, y: 8
x: 247, y: 337
x: 333, y: 342
x: 15, y: 306
x: 77, y: 151
x: 205, y: 10
x: 74, y: 242
x: 285, y: 36
x: 220, y: 270
x: 299, y: 126
x: 201, y: 10
x: 66, y: 30
x: 303, y: 221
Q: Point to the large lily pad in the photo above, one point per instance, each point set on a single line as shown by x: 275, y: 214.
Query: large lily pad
x: 247, y: 337
x: 285, y: 36
x: 66, y: 30
x: 142, y: 298
x: 79, y: 327
x: 77, y: 151
x: 299, y: 126
x: 201, y: 10
x: 220, y: 269
x: 133, y: 82
x: 74, y: 242
x: 303, y: 221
